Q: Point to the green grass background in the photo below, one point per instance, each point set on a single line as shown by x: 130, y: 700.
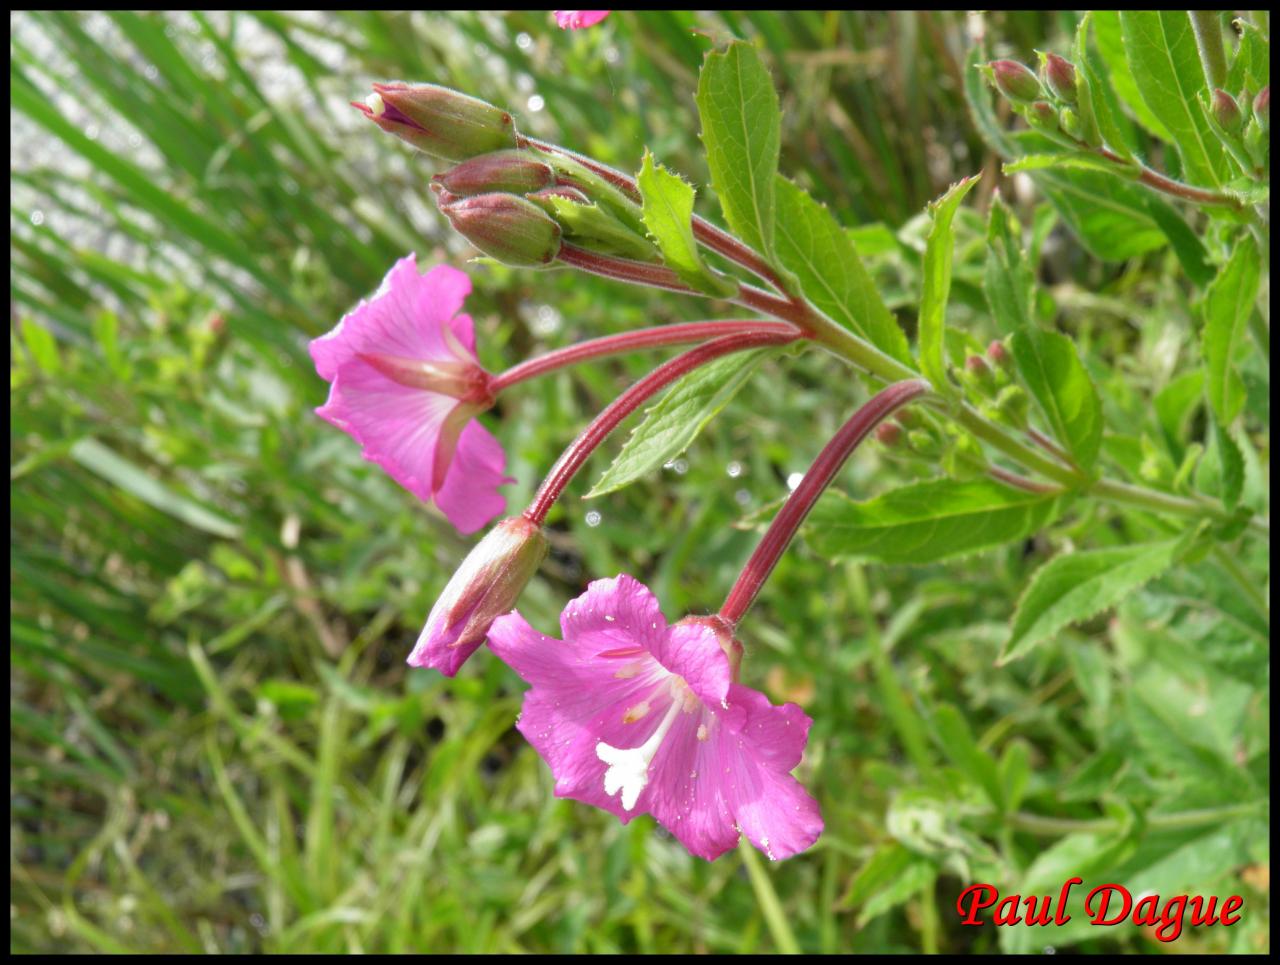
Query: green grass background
x: 215, y: 744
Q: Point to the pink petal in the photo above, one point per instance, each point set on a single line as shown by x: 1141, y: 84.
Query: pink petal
x: 577, y: 19
x: 577, y: 700
x: 773, y: 810
x: 693, y: 651
x: 685, y: 790
x: 409, y: 316
x: 469, y: 496
x: 396, y: 426
x: 614, y: 615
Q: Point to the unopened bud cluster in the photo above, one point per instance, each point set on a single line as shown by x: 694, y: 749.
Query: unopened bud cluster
x: 1051, y: 102
x: 1243, y: 124
x: 513, y: 201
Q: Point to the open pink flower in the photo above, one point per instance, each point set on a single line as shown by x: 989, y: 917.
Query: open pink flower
x: 634, y: 716
x: 577, y: 19
x: 405, y: 383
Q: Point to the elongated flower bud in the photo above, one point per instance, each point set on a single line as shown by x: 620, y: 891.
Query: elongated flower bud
x: 1262, y: 108
x: 888, y: 433
x: 1059, y: 75
x: 438, y: 121
x: 514, y: 172
x: 1016, y: 81
x: 506, y: 227
x: 998, y: 354
x: 1227, y: 112
x: 486, y: 586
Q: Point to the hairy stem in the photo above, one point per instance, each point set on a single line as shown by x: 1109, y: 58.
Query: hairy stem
x: 783, y: 528
x: 663, y: 335
x: 616, y: 411
x: 1207, y: 26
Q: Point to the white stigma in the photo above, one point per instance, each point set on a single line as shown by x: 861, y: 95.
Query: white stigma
x: 628, y: 770
x: 374, y: 102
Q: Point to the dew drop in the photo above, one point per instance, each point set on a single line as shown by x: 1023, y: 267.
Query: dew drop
x: 536, y: 103
x: 37, y: 218
x: 734, y: 469
x: 593, y: 518
x: 524, y: 41
x: 794, y: 480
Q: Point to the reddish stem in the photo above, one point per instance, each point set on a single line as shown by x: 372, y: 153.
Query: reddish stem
x: 815, y: 481
x: 616, y: 411
x: 677, y: 334
x: 1020, y: 482
x: 714, y: 238
x: 623, y: 269
x: 1051, y: 447
x: 1158, y: 181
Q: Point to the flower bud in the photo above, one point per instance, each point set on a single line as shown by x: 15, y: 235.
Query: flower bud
x: 998, y: 354
x: 1227, y: 112
x: 438, y: 121
x: 486, y: 586
x: 1059, y: 76
x: 1015, y: 80
x: 506, y: 227
x: 888, y: 433
x: 923, y: 442
x: 1262, y: 108
x: 513, y: 172
x: 1042, y: 116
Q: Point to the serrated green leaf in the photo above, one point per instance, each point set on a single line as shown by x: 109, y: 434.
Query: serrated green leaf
x: 741, y: 127
x: 1058, y: 381
x: 928, y: 521
x: 1251, y: 66
x: 667, y: 204
x: 1007, y: 279
x: 1075, y: 160
x: 1228, y: 303
x: 813, y: 245
x: 594, y: 227
x: 936, y: 286
x: 671, y: 425
x: 1074, y: 586
x: 1161, y: 50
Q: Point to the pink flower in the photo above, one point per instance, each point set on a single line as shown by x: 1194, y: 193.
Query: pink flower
x: 405, y: 383
x: 577, y: 19
x: 634, y: 716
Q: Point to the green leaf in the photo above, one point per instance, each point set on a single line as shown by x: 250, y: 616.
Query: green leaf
x: 120, y: 472
x: 671, y: 425
x: 667, y: 204
x: 1251, y: 66
x: 1107, y: 35
x: 1221, y: 472
x: 1228, y: 303
x: 741, y: 125
x: 1161, y: 49
x: 599, y: 230
x: 1074, y: 586
x: 42, y: 346
x: 928, y: 521
x: 893, y: 876
x: 1092, y: 93
x: 821, y: 254
x: 1007, y: 278
x: 937, y: 283
x: 1058, y: 381
x: 1077, y: 160
x: 957, y: 741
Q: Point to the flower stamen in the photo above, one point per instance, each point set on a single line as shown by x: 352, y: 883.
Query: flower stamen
x: 628, y: 769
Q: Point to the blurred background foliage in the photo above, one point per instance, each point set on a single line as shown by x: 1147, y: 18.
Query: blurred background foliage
x: 215, y: 744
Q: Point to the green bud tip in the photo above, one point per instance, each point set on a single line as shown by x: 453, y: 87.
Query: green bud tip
x: 1070, y: 122
x: 1227, y: 112
x: 512, y: 171
x: 1262, y: 108
x: 506, y: 227
x: 1059, y: 75
x: 438, y: 121
x: 1016, y: 81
